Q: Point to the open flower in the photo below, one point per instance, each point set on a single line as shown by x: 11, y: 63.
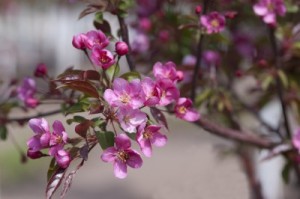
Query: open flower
x: 130, y: 119
x: 167, y: 70
x: 148, y: 136
x: 122, y: 155
x: 102, y: 57
x: 62, y: 157
x: 58, y: 137
x: 184, y: 110
x: 152, y: 92
x: 125, y: 93
x: 27, y: 91
x: 42, y: 135
x: 213, y: 22
x: 169, y: 92
x: 96, y: 38
x: 268, y: 9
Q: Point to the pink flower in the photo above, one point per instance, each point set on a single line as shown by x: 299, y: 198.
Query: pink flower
x: 167, y: 70
x: 122, y: 155
x: 102, y: 57
x: 152, y: 92
x: 169, y: 92
x: 211, y: 58
x: 34, y: 154
x: 213, y: 22
x: 79, y: 41
x: 121, y: 48
x: 141, y: 43
x: 26, y: 92
x: 268, y: 9
x: 148, y: 136
x: 62, y: 158
x: 184, y: 110
x: 42, y: 135
x: 96, y: 39
x: 296, y: 140
x: 145, y: 24
x: 130, y: 118
x: 41, y: 70
x: 125, y: 93
x: 58, y: 137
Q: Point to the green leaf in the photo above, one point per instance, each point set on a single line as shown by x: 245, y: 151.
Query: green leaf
x: 285, y: 173
x: 283, y: 78
x: 267, y: 82
x: 77, y: 119
x: 98, y: 122
x: 131, y: 135
x: 3, y: 132
x: 99, y: 17
x: 106, y: 139
x: 131, y: 75
x: 113, y: 71
x: 204, y: 95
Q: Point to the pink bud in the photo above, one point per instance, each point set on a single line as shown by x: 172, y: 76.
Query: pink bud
x: 79, y: 41
x: 198, y: 9
x: 239, y: 73
x: 41, y: 70
x: 179, y: 75
x: 34, y: 154
x: 121, y: 48
x: 164, y: 35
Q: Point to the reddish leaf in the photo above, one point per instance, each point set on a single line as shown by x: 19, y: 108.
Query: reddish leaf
x: 159, y: 116
x: 83, y: 86
x: 91, y: 75
x: 82, y: 128
x: 91, y: 8
x: 104, y: 27
x: 71, y: 74
x: 54, y: 182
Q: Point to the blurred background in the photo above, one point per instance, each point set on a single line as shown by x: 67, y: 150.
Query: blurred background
x: 192, y: 165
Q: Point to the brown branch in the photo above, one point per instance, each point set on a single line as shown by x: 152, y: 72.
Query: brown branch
x: 199, y: 57
x: 239, y: 136
x: 125, y: 37
x: 25, y: 119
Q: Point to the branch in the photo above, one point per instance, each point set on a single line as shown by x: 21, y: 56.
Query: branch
x: 125, y: 37
x: 199, y: 57
x: 25, y: 119
x: 234, y: 134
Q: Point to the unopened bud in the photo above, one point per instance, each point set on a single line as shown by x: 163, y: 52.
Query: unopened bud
x: 121, y: 48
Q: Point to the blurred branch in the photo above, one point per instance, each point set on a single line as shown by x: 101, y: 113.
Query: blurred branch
x: 125, y: 37
x: 199, y: 56
x: 25, y: 119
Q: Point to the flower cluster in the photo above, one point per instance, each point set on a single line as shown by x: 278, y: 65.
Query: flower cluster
x: 43, y: 139
x: 27, y: 91
x: 96, y: 41
x: 268, y: 9
x: 128, y: 98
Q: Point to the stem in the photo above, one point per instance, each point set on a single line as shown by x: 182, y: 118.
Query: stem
x: 25, y: 119
x: 236, y: 135
x: 125, y: 37
x: 199, y: 57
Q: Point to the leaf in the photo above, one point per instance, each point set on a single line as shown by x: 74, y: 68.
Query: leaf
x: 131, y: 75
x: 106, y: 139
x: 3, y: 132
x: 70, y: 74
x: 83, y: 86
x: 278, y: 150
x: 76, y: 118
x: 113, y: 71
x: 91, y: 8
x: 285, y: 173
x: 204, y: 95
x: 84, y: 152
x: 283, y: 78
x: 267, y: 82
x: 91, y: 75
x: 131, y: 135
x: 104, y: 27
x: 54, y: 182
x: 159, y: 116
x: 82, y: 128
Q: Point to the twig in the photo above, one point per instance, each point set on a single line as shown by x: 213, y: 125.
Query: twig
x: 125, y: 37
x: 199, y: 57
x: 25, y: 119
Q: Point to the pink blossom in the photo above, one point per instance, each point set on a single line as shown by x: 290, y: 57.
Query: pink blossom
x: 140, y: 43
x: 79, y: 41
x: 125, y: 93
x: 26, y: 92
x: 41, y: 70
x: 189, y: 60
x: 145, y: 24
x: 62, y: 158
x: 169, y: 92
x: 96, y: 38
x: 102, y: 57
x: 268, y: 9
x: 121, y: 48
x: 148, y: 136
x: 58, y: 137
x: 122, y: 155
x: 42, y: 135
x: 152, y: 92
x: 211, y: 58
x: 167, y: 70
x: 213, y: 22
x: 34, y: 154
x: 130, y: 119
x: 198, y: 9
x: 184, y: 110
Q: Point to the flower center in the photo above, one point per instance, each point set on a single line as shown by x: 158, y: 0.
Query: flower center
x: 215, y: 23
x: 125, y: 98
x: 58, y: 139
x: 182, y: 110
x: 104, y: 58
x: 147, y: 134
x: 123, y: 156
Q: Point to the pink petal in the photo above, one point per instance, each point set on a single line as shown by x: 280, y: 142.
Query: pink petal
x: 270, y: 18
x: 260, y: 10
x: 109, y: 154
x: 122, y: 141
x: 45, y: 139
x: 58, y: 127
x: 120, y: 169
x: 135, y: 161
x: 146, y: 147
x: 191, y: 116
x: 34, y: 144
x: 39, y: 126
x: 159, y: 139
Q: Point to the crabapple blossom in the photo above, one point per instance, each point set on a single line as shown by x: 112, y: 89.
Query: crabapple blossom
x: 130, y: 119
x: 122, y: 155
x: 102, y: 57
x: 211, y: 58
x: 125, y: 93
x: 169, y: 92
x: 152, y: 92
x: 213, y: 22
x: 121, y: 48
x: 79, y: 41
x: 42, y: 135
x: 268, y: 9
x: 62, y: 158
x: 140, y: 43
x: 41, y: 70
x: 148, y: 136
x: 26, y: 92
x: 58, y: 137
x: 96, y: 38
x: 185, y: 111
x: 167, y: 70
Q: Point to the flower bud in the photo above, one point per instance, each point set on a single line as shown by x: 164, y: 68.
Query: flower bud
x: 41, y: 70
x: 198, y: 9
x: 79, y: 41
x: 34, y: 154
x: 121, y: 48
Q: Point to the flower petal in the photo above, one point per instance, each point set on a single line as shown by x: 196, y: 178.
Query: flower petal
x: 159, y: 139
x: 122, y: 141
x: 109, y: 154
x: 120, y: 169
x: 39, y: 126
x: 135, y: 161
